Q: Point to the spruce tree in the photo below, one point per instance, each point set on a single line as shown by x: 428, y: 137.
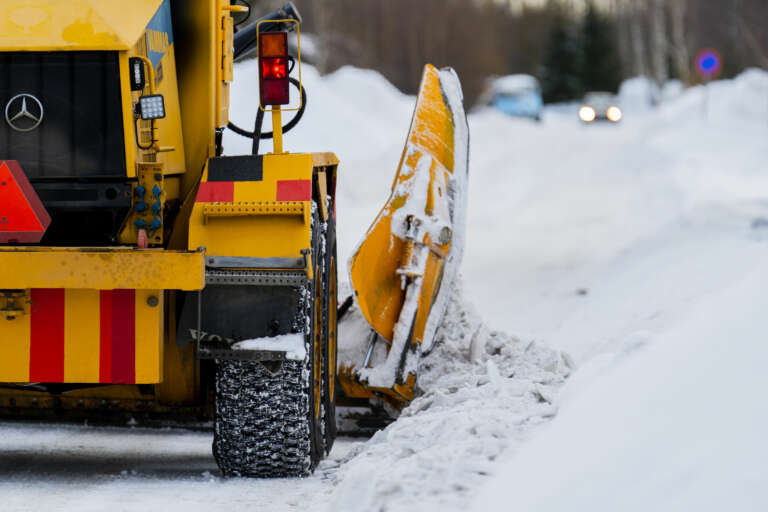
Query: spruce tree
x: 600, y: 70
x: 560, y: 74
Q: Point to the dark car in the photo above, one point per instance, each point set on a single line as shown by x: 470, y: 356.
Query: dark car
x: 600, y: 106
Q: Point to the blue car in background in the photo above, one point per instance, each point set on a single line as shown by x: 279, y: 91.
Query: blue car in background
x: 514, y: 95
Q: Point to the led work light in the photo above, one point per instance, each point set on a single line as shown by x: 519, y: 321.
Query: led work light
x: 138, y: 74
x: 151, y: 107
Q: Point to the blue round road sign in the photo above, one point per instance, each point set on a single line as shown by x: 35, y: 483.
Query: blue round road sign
x: 708, y: 63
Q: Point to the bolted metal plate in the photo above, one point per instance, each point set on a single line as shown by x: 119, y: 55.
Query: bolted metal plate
x: 255, y: 278
x: 247, y: 262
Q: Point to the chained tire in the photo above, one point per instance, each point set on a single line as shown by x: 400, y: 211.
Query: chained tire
x: 330, y: 332
x: 267, y: 421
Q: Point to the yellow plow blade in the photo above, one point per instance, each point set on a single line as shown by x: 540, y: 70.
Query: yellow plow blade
x: 403, y: 270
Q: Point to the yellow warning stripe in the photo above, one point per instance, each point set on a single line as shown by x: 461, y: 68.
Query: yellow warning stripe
x: 82, y: 339
x: 149, y: 336
x: 81, y: 336
x: 14, y: 344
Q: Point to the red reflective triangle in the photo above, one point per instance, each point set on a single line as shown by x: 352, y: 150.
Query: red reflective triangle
x: 23, y: 218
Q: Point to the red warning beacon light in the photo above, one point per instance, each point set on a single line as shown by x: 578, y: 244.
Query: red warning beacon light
x: 23, y: 218
x: 273, y: 68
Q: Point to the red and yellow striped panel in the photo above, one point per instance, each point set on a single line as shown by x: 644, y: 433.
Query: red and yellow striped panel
x: 281, y: 178
x: 85, y: 336
x: 294, y: 190
x: 224, y: 191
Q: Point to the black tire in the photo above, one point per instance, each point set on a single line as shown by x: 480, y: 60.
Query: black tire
x: 330, y: 333
x: 316, y: 400
x: 267, y: 423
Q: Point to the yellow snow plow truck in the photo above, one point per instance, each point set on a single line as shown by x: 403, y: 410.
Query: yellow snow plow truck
x: 143, y: 274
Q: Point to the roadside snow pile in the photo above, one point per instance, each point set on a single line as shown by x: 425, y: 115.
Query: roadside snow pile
x: 734, y: 104
x: 638, y: 95
x: 576, y: 199
x: 480, y: 393
x: 666, y: 410
x: 677, y: 424
x: 671, y: 90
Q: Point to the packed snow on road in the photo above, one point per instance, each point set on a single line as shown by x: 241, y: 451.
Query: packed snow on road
x: 605, y: 349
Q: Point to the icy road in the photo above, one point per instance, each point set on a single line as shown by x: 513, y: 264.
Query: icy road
x: 607, y: 350
x: 52, y: 468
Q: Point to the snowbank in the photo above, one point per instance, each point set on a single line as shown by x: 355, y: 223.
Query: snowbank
x: 677, y: 422
x: 552, y: 205
x: 638, y: 95
x: 740, y: 103
x: 480, y: 394
x: 656, y: 286
x: 671, y: 90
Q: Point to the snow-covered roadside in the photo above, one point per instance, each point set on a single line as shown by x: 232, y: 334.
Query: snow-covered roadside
x: 481, y: 394
x: 93, y: 469
x: 674, y: 418
x: 665, y: 411
x: 558, y: 204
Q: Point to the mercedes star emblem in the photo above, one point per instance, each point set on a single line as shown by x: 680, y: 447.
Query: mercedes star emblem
x: 24, y: 113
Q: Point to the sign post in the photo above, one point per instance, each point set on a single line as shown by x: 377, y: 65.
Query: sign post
x: 708, y: 64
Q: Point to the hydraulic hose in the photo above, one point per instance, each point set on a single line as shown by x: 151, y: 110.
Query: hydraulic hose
x: 257, y: 134
x: 245, y: 38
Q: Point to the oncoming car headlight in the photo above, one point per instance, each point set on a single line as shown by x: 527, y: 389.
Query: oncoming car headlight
x: 613, y: 114
x: 587, y: 114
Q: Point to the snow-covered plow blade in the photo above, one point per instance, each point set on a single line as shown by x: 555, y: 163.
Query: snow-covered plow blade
x: 403, y: 270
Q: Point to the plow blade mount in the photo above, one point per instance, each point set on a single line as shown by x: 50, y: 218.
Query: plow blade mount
x: 404, y: 269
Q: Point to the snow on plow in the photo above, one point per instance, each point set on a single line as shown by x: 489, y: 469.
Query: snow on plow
x: 415, y: 245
